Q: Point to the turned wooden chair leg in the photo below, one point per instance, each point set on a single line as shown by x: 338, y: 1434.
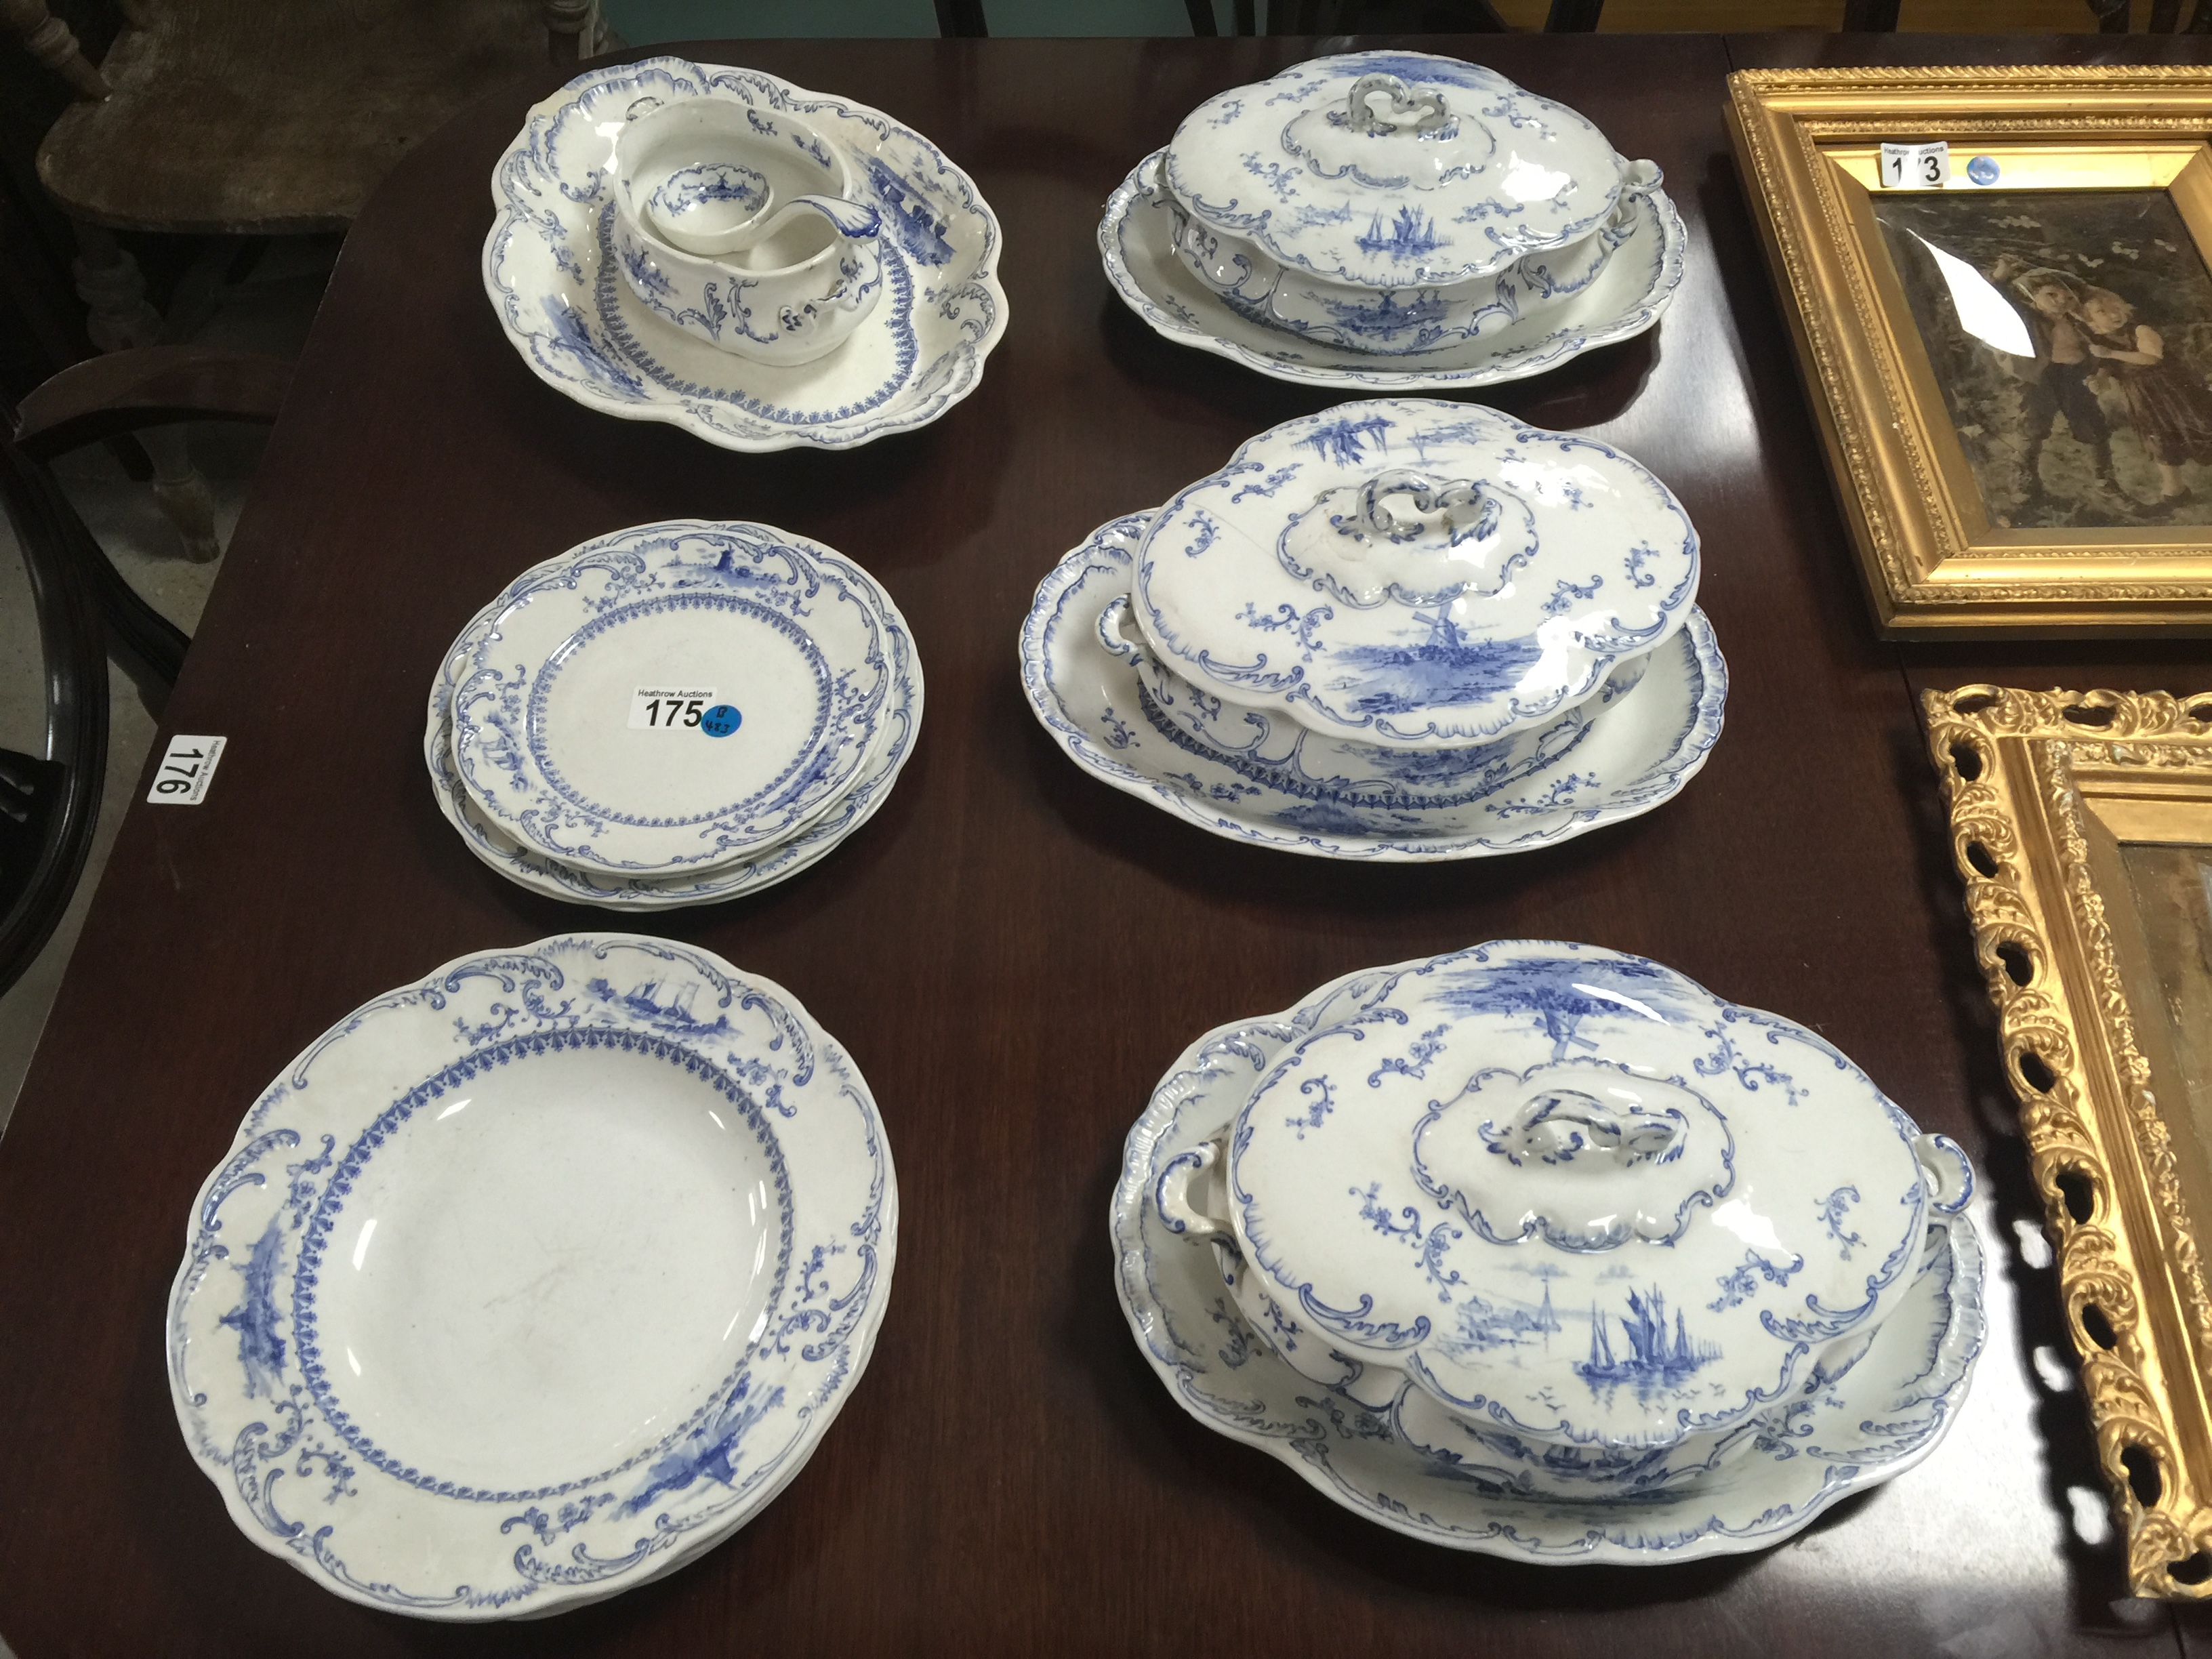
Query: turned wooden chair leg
x: 109, y: 281
x: 568, y: 31
x: 48, y: 39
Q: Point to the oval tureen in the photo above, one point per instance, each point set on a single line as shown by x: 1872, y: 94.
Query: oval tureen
x: 1394, y: 201
x: 1562, y: 1220
x: 1414, y: 574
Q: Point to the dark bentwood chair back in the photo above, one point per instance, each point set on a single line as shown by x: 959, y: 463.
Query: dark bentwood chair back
x: 50, y: 803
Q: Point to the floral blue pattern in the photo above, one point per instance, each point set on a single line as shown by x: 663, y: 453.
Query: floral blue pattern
x: 549, y: 269
x: 1073, y: 684
x: 1136, y: 244
x: 1868, y: 1425
x: 1605, y: 1117
x: 522, y: 864
x: 1393, y: 178
x: 267, y: 1423
x: 745, y: 584
x: 1417, y: 543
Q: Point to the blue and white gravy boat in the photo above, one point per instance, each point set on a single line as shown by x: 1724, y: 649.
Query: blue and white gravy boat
x: 738, y: 226
x: 554, y: 274
x: 1563, y: 1221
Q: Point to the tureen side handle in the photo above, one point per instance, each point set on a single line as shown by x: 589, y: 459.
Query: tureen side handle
x: 1226, y: 264
x: 1119, y: 633
x: 1180, y: 1208
x: 1950, y: 1175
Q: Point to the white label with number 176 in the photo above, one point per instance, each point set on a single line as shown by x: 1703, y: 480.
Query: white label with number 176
x: 186, y: 771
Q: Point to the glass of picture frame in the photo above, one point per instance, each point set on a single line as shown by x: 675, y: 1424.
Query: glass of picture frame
x: 2081, y: 824
x: 2011, y: 369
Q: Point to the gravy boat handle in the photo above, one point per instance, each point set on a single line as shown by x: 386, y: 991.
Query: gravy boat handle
x: 851, y: 219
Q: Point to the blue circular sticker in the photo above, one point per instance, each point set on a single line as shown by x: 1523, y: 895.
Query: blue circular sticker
x: 720, y: 720
x: 1982, y: 169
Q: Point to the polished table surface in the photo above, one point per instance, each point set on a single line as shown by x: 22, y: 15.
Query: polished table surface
x: 1013, y: 953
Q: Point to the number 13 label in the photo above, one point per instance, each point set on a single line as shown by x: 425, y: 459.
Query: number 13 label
x: 1916, y: 166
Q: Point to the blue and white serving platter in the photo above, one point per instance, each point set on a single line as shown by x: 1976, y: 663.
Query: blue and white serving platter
x: 527, y: 867
x: 550, y: 268
x: 525, y: 1283
x: 1136, y: 241
x: 781, y: 644
x: 1880, y: 1417
x: 1631, y: 756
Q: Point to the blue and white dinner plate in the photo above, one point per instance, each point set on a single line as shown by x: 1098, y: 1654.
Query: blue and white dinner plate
x: 567, y: 733
x: 1884, y: 1414
x: 1632, y: 756
x: 550, y: 269
x: 526, y: 1282
x: 1136, y: 241
x: 527, y: 867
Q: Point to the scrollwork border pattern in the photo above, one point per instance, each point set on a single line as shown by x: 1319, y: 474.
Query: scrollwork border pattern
x: 2130, y: 1263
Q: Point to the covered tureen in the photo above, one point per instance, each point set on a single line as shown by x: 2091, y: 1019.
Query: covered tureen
x: 1563, y: 1221
x: 1410, y: 574
x: 1394, y: 202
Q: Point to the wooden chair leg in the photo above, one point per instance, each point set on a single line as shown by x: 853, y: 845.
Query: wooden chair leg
x: 568, y: 31
x: 110, y: 283
x: 182, y: 494
x: 48, y: 39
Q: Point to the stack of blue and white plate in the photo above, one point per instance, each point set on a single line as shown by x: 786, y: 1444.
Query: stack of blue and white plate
x: 674, y: 714
x: 1397, y: 629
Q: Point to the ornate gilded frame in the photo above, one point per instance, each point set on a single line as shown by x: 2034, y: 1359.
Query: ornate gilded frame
x: 2045, y: 789
x: 1806, y: 142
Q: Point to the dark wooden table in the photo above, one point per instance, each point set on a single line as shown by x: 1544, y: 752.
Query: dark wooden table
x: 1013, y: 953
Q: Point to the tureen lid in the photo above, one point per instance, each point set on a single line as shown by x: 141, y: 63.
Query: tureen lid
x: 1572, y: 1191
x: 1393, y: 169
x: 1414, y: 572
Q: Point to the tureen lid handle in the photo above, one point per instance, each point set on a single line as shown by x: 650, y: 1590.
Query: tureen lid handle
x: 1410, y: 109
x: 1461, y: 503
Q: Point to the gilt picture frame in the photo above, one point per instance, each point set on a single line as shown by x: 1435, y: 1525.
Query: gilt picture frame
x: 2081, y: 826
x: 2012, y: 372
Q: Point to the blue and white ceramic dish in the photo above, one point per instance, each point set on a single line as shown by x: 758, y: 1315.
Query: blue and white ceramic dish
x: 1415, y: 574
x: 1271, y: 743
x: 1137, y: 242
x: 529, y: 868
x: 552, y: 271
x: 721, y: 229
x: 1390, y: 202
x: 779, y: 653
x: 1864, y: 1425
x: 1629, y: 757
x: 1601, y: 1227
x: 525, y: 1283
